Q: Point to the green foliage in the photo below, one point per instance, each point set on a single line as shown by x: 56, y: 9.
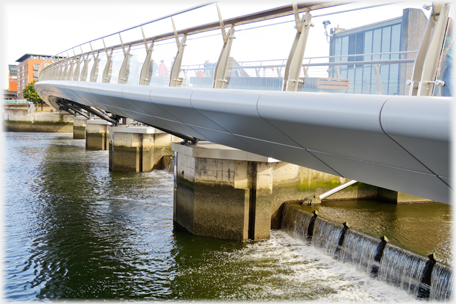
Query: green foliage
x: 30, y: 94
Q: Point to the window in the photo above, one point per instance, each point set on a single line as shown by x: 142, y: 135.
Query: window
x: 35, y: 74
x: 36, y: 66
x: 378, y: 40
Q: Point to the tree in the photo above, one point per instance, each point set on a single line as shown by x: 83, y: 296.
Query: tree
x: 31, y: 95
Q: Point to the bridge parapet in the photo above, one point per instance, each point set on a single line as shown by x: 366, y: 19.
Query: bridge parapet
x: 395, y: 142
x: 376, y: 58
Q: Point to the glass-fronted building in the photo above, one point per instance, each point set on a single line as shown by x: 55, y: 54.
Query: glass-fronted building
x: 375, y: 42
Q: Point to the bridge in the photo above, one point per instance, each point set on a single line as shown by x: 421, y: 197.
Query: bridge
x: 273, y: 108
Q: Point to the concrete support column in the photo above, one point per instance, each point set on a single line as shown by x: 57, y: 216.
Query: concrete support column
x: 139, y: 149
x: 79, y: 127
x: 232, y: 194
x: 97, y: 137
x: 223, y: 192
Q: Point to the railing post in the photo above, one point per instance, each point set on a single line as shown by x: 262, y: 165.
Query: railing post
x: 107, y: 69
x: 125, y: 67
x: 52, y: 71
x: 94, y: 71
x: 147, y: 68
x: 174, y: 77
x: 65, y: 70
x: 69, y: 75
x: 59, y: 71
x: 378, y: 79
x: 219, y: 81
x: 85, y: 66
x: 77, y: 69
x: 424, y: 70
x: 294, y: 62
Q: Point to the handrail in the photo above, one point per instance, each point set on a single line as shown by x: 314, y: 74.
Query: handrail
x: 249, y: 18
x: 393, y: 61
x: 133, y: 27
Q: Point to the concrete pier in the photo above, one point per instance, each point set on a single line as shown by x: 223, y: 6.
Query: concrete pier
x: 139, y: 149
x: 232, y: 194
x: 97, y: 137
x: 79, y: 127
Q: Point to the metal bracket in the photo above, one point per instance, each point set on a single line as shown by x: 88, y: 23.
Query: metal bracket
x: 424, y: 70
x: 222, y: 63
x: 222, y: 25
x: 123, y: 47
x: 378, y: 79
x: 297, y: 20
x: 64, y: 103
x: 84, y: 71
x: 124, y: 69
x: 94, y: 71
x: 296, y: 56
x: 147, y: 68
x: 175, y: 70
x: 107, y: 70
x: 175, y: 33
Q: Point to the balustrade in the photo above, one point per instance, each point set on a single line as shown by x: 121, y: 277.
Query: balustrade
x: 253, y: 52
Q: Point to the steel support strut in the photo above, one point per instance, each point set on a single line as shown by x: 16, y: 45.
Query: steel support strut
x: 175, y: 70
x: 125, y: 67
x: 424, y: 70
x: 222, y: 63
x: 68, y: 104
x: 294, y: 62
x: 147, y: 68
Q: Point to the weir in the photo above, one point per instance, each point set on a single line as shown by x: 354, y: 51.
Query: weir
x: 421, y: 277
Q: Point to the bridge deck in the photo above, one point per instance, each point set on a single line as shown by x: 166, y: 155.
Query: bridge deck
x: 395, y: 142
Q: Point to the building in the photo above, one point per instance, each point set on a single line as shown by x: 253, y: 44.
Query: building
x: 399, y: 34
x: 12, y: 78
x: 11, y: 93
x: 27, y: 70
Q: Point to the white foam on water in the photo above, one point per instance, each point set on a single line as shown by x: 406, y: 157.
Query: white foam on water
x: 302, y: 272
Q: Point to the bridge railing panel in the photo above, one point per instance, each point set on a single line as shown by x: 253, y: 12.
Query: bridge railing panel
x: 101, y: 65
x: 363, y: 59
x: 138, y: 55
x: 253, y: 63
x: 200, y: 58
x: 117, y: 59
x: 163, y: 57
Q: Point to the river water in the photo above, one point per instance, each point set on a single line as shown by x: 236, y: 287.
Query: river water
x: 75, y: 230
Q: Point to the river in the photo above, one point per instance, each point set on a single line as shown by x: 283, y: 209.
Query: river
x: 75, y: 230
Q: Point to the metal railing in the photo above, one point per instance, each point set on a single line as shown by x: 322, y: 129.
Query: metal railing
x: 134, y: 62
x: 15, y: 101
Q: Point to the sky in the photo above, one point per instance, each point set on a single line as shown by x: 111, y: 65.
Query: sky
x: 49, y: 26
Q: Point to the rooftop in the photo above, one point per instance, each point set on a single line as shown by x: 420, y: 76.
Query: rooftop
x: 27, y: 56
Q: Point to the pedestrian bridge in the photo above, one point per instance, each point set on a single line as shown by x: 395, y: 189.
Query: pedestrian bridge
x: 310, y: 111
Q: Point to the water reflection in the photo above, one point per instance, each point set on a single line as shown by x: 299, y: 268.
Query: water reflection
x: 74, y: 230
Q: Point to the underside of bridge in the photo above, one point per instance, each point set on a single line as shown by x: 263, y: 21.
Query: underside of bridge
x: 394, y: 142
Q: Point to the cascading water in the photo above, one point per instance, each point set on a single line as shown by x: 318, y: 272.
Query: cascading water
x: 402, y: 268
x: 326, y: 235
x: 386, y: 262
x: 359, y: 249
x: 441, y: 283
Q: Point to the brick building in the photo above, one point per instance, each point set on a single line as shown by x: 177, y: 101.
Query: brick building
x: 27, y: 70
